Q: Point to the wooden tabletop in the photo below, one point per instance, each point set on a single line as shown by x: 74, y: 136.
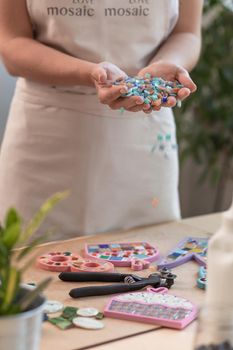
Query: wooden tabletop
x: 120, y: 334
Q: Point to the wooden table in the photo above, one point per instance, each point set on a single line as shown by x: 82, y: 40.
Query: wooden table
x: 119, y: 334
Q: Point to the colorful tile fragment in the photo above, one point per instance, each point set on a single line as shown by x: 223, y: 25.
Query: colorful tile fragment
x: 188, y: 249
x: 151, y: 89
x: 122, y: 254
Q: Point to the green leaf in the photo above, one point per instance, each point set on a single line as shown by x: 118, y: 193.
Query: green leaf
x: 31, y: 295
x: 1, y: 294
x: 33, y: 244
x: 3, y: 278
x: 39, y: 217
x: 1, y: 231
x: 10, y: 277
x: 12, y: 217
x: 11, y: 289
x: 11, y: 235
x: 4, y: 256
x: 28, y: 264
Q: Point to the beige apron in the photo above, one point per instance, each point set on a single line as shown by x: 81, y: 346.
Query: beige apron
x: 61, y: 138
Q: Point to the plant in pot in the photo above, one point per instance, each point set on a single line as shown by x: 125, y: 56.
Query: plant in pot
x: 21, y: 307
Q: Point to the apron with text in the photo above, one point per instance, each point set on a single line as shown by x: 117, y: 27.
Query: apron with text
x: 61, y: 138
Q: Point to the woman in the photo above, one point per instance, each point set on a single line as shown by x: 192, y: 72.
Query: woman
x: 61, y: 133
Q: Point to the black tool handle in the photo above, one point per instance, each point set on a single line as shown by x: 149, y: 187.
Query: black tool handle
x: 92, y: 277
x: 104, y: 290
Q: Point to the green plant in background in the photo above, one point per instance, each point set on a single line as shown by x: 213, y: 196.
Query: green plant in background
x: 13, y: 263
x: 205, y: 123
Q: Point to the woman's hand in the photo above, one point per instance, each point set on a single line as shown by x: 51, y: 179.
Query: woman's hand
x: 169, y: 71
x: 103, y: 75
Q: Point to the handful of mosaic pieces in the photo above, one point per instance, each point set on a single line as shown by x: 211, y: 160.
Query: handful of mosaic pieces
x: 154, y: 91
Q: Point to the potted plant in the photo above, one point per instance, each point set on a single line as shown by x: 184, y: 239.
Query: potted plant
x: 21, y: 307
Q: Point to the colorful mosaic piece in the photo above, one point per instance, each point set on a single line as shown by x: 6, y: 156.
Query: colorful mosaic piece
x: 188, y: 249
x: 154, y: 91
x: 202, y: 277
x: 122, y: 254
x: 65, y: 320
x: 68, y: 261
x: 153, y: 306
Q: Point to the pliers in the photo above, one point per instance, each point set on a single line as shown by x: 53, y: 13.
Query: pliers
x: 130, y: 282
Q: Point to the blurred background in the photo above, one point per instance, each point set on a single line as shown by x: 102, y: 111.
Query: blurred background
x: 205, y: 121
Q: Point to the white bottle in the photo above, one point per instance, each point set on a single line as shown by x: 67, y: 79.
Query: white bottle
x: 220, y: 264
